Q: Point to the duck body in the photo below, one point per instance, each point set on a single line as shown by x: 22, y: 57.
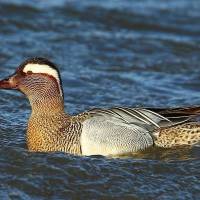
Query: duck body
x: 88, y: 133
x: 105, y: 132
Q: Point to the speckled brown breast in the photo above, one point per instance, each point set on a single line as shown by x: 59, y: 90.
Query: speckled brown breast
x: 55, y: 133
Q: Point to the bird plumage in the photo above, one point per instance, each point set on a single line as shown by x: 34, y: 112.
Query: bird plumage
x: 99, y: 131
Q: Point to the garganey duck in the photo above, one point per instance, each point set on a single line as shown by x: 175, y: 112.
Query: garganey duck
x: 96, y: 132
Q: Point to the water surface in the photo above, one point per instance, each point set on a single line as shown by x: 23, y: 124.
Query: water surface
x: 127, y: 53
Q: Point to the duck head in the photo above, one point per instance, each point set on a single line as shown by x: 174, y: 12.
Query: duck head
x: 32, y: 74
x: 37, y: 78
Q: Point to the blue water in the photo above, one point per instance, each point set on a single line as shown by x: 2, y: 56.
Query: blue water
x: 127, y: 53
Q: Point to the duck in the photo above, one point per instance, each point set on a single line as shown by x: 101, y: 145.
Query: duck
x: 99, y: 131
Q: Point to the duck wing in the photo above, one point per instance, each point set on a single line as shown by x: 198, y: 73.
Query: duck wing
x: 120, y: 130
x: 191, y: 113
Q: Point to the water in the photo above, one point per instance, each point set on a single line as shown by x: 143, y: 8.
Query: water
x: 128, y: 53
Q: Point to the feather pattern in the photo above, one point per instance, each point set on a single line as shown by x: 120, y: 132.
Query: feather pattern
x: 132, y: 115
x: 99, y: 131
x: 122, y: 130
x: 119, y: 130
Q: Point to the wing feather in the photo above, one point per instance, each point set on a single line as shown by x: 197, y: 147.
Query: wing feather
x: 121, y: 130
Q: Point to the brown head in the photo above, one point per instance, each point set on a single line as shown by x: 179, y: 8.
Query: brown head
x: 39, y: 80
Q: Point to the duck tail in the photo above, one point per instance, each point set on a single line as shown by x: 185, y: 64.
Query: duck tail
x: 178, y: 112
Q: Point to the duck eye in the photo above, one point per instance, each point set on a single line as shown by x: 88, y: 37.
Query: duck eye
x: 29, y: 72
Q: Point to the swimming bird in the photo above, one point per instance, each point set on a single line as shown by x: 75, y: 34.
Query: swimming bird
x: 99, y: 131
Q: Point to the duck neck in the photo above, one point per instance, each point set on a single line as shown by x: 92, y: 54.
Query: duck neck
x: 47, y: 105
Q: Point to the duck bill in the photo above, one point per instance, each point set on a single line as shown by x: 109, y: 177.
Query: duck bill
x: 8, y: 84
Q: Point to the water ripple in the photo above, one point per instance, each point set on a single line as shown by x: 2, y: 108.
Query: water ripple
x: 140, y: 53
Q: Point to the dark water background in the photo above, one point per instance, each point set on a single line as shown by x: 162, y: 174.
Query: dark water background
x: 128, y: 53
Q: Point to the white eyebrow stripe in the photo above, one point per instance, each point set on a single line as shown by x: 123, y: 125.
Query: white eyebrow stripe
x: 44, y: 69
